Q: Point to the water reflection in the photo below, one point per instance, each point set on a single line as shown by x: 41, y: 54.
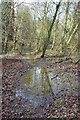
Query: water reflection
x: 39, y: 86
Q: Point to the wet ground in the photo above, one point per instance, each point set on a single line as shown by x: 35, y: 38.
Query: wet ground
x: 39, y: 88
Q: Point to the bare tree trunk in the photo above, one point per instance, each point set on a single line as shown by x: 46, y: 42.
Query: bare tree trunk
x: 15, y: 41
x: 78, y: 46
x: 64, y: 32
x: 10, y: 27
x: 73, y: 32
x: 74, y: 28
x: 55, y: 29
x: 50, y: 30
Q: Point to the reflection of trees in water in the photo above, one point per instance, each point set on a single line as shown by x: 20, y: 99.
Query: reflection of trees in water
x: 43, y: 81
x: 27, y: 79
x: 48, y: 81
x: 38, y: 79
x: 40, y: 88
x: 46, y: 76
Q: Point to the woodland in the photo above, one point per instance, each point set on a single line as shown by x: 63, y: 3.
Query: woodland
x: 40, y: 59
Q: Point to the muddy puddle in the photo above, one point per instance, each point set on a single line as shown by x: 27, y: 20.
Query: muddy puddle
x: 40, y: 87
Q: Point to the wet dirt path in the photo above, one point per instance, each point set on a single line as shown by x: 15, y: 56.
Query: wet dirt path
x: 16, y: 106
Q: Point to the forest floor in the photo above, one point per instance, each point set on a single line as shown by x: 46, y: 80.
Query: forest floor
x: 13, y: 68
